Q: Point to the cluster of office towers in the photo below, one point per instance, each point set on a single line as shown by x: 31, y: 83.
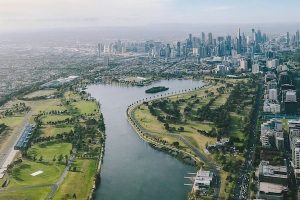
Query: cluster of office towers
x: 207, y: 45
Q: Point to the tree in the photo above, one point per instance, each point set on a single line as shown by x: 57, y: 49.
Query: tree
x: 166, y: 126
x: 60, y: 157
x: 181, y: 129
x: 66, y: 158
x: 176, y: 144
x: 41, y: 158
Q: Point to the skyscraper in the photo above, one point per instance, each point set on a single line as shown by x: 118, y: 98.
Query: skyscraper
x: 178, y: 50
x: 239, y: 42
x: 189, y: 43
x: 203, y: 37
x: 297, y: 38
x: 210, y: 38
x: 288, y: 38
x: 99, y: 49
x: 253, y: 35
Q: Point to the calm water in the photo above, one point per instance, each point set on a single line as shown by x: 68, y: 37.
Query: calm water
x: 132, y: 170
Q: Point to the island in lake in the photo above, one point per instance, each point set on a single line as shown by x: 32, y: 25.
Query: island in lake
x: 156, y: 89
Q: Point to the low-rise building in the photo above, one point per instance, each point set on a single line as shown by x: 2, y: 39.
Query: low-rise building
x: 272, y: 174
x: 202, y: 181
x: 272, y: 191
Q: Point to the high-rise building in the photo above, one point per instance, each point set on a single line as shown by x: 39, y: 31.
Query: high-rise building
x: 272, y: 63
x: 297, y: 39
x: 255, y: 68
x: 106, y: 61
x: 239, y: 42
x: 253, y: 35
x: 288, y: 38
x: 228, y: 46
x: 210, y: 38
x: 99, y: 49
x: 168, y: 51
x: 273, y: 94
x: 178, y: 53
x: 244, y: 64
x: 203, y: 37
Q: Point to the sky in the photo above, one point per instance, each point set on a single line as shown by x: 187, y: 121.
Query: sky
x: 43, y: 14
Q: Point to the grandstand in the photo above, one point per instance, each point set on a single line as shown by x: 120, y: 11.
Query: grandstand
x: 24, y: 139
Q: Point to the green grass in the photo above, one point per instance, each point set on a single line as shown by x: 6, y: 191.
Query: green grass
x: 53, y: 131
x: 221, y: 100
x: 20, y: 175
x: 12, y: 121
x: 49, y: 151
x: 86, y: 107
x: 40, y: 93
x: 39, y: 193
x: 47, y: 106
x: 237, y: 123
x: 54, y: 118
x: 79, y: 182
x: 148, y: 121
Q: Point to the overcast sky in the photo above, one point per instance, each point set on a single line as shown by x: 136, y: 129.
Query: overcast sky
x: 36, y: 14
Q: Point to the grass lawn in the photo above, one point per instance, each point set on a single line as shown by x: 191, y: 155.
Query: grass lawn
x: 39, y: 193
x: 12, y: 121
x: 224, y: 185
x: 20, y: 175
x: 54, y: 118
x: 72, y: 96
x: 40, y: 93
x: 53, y: 131
x: 86, y: 107
x: 148, y: 121
x: 198, y: 140
x: 79, y: 182
x: 237, y: 122
x: 50, y: 150
x: 46, y: 105
x: 221, y: 100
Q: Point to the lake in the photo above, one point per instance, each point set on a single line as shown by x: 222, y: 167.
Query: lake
x: 132, y: 169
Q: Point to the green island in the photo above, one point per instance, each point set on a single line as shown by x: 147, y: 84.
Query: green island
x: 65, y: 150
x: 156, y: 89
x: 197, y: 121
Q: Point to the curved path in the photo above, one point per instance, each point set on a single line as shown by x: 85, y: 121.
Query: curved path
x: 198, y: 155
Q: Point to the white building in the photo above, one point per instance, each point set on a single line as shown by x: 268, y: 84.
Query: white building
x: 272, y: 63
x: 296, y: 157
x: 202, y: 180
x: 294, y: 136
x: 271, y: 128
x: 282, y: 68
x: 270, y: 107
x: 255, y: 68
x: 243, y: 64
x: 273, y: 94
x: 195, y: 51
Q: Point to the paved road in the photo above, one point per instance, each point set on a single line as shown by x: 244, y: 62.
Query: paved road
x: 242, y: 184
x: 56, y: 185
x: 7, y: 152
x: 207, y: 162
